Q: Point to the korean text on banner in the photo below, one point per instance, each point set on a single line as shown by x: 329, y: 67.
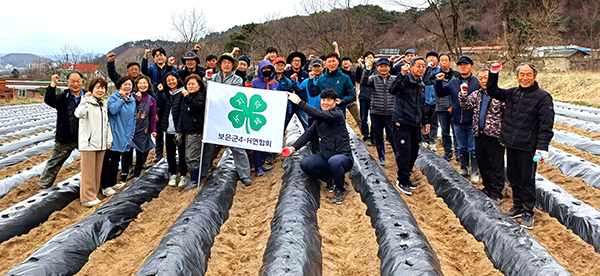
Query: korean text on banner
x: 244, y: 117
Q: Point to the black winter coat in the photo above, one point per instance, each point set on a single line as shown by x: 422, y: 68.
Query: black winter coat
x: 184, y: 73
x: 459, y: 115
x: 191, y: 120
x: 528, y: 117
x: 330, y: 126
x: 382, y: 102
x: 409, y: 101
x: 167, y: 102
x: 67, y: 125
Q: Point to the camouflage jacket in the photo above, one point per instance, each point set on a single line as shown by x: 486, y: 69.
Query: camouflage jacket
x: 493, y: 117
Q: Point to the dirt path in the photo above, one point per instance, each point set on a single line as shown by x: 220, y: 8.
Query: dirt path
x: 32, y: 161
x: 577, y: 130
x: 239, y: 248
x: 349, y: 245
x: 30, y: 187
x: 23, y: 136
x: 126, y: 254
x: 575, y: 151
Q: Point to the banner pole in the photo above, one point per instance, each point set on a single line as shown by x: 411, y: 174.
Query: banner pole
x: 200, y: 164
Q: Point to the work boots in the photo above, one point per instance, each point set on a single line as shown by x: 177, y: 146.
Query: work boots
x: 464, y: 164
x: 474, y: 169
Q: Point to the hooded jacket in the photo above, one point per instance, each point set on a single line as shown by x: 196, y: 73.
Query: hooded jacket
x: 121, y: 115
x: 528, y: 117
x: 261, y: 82
x: 409, y: 102
x: 459, y: 116
x: 94, y: 129
x: 67, y: 124
x: 337, y: 81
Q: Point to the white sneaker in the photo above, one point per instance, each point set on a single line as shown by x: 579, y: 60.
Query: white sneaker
x: 183, y: 180
x: 119, y: 186
x: 91, y: 203
x: 108, y: 191
x: 425, y: 145
x: 474, y: 177
x: 173, y: 180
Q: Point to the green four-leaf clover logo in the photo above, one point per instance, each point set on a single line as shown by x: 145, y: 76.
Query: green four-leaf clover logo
x: 246, y: 112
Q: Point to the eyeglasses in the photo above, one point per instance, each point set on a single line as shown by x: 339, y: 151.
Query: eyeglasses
x: 420, y: 66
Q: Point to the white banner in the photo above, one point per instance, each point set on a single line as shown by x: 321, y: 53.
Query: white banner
x: 244, y: 117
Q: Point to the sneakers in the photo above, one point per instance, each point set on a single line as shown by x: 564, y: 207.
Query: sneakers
x: 159, y: 155
x: 246, y: 181
x: 515, y: 212
x: 108, y: 191
x: 119, y: 186
x: 262, y: 170
x: 91, y: 203
x: 183, y: 180
x: 338, y: 197
x: 413, y: 185
x: 173, y: 180
x: 527, y: 220
x: 475, y: 177
x: 330, y: 186
x: 403, y: 188
x: 382, y: 163
x: 448, y: 156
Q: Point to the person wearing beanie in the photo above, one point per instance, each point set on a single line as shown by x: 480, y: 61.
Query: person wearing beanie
x: 382, y: 103
x: 462, y: 120
x: 430, y: 139
x: 242, y: 68
x: 133, y: 68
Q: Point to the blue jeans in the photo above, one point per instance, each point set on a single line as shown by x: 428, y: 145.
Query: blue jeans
x: 364, y: 116
x: 464, y: 139
x: 335, y: 168
x: 445, y: 119
x: 295, y: 109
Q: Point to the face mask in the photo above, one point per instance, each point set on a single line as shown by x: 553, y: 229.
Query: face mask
x: 267, y: 74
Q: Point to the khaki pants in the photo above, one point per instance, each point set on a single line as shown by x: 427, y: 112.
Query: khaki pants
x: 353, y: 108
x: 91, y: 169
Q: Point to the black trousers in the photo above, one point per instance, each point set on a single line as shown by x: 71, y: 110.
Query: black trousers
x: 110, y: 169
x: 379, y: 123
x: 490, y: 158
x: 520, y: 170
x: 126, y: 161
x: 406, y: 139
x: 172, y: 151
x: 160, y: 137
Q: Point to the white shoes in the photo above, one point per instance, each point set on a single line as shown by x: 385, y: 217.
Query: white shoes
x: 173, y: 180
x: 108, y: 191
x: 183, y: 180
x: 91, y: 203
x: 119, y: 186
x: 432, y: 147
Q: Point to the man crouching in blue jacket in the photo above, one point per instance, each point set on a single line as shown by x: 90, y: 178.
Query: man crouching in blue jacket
x: 335, y: 158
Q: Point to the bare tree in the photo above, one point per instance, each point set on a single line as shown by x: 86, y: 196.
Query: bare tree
x: 447, y: 15
x: 69, y: 54
x: 190, y: 26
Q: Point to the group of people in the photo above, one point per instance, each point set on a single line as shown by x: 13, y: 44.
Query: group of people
x: 406, y: 99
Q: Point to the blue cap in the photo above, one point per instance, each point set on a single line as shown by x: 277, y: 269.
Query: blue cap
x: 410, y: 51
x: 464, y: 59
x: 384, y: 61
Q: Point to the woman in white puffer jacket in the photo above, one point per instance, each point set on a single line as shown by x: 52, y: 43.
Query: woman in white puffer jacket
x: 95, y: 138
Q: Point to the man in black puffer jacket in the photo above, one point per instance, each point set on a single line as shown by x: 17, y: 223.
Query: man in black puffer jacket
x: 408, y: 117
x: 526, y: 131
x: 335, y: 159
x: 67, y: 125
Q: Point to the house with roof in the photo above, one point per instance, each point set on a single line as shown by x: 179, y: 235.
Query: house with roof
x: 563, y: 58
x: 26, y: 88
x: 88, y: 70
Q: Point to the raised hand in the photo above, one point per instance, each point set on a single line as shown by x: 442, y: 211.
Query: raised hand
x: 311, y: 75
x: 171, y: 60
x: 185, y: 93
x: 147, y: 53
x: 111, y: 57
x: 54, y: 80
x: 294, y: 77
x: 197, y: 47
x: 440, y: 76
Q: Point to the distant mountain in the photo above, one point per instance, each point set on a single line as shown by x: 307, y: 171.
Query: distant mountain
x: 19, y: 60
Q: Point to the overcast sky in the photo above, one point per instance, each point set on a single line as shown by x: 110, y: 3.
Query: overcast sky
x: 42, y: 27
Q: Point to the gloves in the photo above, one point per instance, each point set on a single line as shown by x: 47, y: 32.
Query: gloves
x: 463, y: 88
x: 178, y: 139
x: 496, y: 67
x: 542, y: 153
x: 294, y: 98
x: 369, y: 64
